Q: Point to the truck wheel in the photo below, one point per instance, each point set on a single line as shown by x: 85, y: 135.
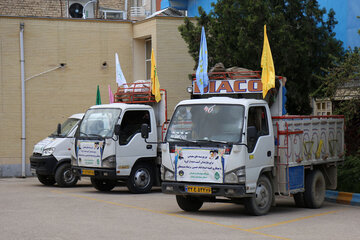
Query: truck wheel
x: 141, y: 178
x: 64, y: 176
x: 103, y: 185
x: 189, y: 203
x: 261, y: 202
x: 299, y: 200
x: 47, y: 180
x: 314, y: 189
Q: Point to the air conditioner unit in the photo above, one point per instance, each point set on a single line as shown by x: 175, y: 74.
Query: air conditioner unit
x: 76, y: 8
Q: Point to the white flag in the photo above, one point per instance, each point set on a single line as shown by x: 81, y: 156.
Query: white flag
x: 120, y: 79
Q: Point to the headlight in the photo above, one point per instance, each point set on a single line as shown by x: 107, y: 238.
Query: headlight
x: 48, y: 151
x: 236, y: 176
x: 231, y: 178
x: 109, y: 162
x: 166, y: 174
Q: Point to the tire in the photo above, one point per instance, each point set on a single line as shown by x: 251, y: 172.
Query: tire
x: 47, y: 180
x: 261, y: 202
x: 103, y: 185
x: 141, y: 178
x: 189, y: 203
x: 315, y: 187
x: 299, y: 200
x: 64, y: 177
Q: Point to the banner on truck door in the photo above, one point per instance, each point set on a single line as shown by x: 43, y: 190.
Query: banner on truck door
x: 230, y: 86
x: 89, y: 153
x: 199, y: 165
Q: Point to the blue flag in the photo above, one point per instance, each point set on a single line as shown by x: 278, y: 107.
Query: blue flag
x: 202, y: 79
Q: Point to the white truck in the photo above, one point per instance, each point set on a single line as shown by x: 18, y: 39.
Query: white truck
x: 51, y: 156
x: 108, y: 146
x: 223, y: 149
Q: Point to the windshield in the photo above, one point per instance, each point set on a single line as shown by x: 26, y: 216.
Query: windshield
x: 99, y: 122
x: 66, y: 127
x: 216, y: 122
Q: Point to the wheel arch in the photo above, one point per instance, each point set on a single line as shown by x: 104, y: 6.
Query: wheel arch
x: 329, y: 172
x: 155, y: 166
x: 268, y: 172
x: 147, y: 160
x: 61, y: 162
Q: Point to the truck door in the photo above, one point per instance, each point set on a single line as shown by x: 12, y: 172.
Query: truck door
x: 131, y: 146
x: 260, y: 143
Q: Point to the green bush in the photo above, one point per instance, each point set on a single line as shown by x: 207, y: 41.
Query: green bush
x: 349, y: 174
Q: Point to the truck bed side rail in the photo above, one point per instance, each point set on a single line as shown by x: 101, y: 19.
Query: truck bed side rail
x: 303, y: 141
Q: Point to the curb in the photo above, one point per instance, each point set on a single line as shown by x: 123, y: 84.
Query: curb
x: 343, y: 197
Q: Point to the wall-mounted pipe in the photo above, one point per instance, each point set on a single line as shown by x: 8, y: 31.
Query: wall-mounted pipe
x: 23, y: 123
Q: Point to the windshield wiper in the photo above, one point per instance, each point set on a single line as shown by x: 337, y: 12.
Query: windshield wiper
x: 90, y: 135
x: 94, y: 134
x: 210, y: 140
x: 83, y: 133
x: 184, y: 140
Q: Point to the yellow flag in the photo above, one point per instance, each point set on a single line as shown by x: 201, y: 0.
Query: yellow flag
x: 267, y: 65
x: 155, y: 85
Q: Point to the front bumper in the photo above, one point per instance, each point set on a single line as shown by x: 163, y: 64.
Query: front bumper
x: 95, y: 172
x: 225, y: 190
x: 44, y: 165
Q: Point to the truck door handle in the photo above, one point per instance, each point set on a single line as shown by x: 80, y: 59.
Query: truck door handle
x: 148, y: 146
x: 269, y: 153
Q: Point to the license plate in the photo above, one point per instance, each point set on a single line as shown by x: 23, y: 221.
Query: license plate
x: 88, y: 172
x: 196, y: 189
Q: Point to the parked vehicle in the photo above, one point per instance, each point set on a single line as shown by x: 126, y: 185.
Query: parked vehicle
x: 239, y: 150
x: 51, y: 156
x: 108, y: 146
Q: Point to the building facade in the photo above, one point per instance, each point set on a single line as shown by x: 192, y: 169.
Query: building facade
x: 65, y: 59
x: 98, y: 9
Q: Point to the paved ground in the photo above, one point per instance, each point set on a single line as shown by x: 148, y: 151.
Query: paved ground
x: 29, y: 210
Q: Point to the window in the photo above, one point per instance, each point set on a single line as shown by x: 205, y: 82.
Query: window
x: 137, y: 3
x: 131, y: 125
x: 217, y: 122
x: 99, y: 122
x: 148, y: 59
x: 257, y: 126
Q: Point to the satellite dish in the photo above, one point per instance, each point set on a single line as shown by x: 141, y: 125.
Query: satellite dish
x: 76, y: 10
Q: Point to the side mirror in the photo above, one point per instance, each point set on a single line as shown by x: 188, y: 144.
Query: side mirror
x: 58, y: 130
x: 145, y: 131
x: 117, y: 130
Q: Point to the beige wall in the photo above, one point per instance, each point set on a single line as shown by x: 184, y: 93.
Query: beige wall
x: 174, y: 63
x: 50, y: 8
x: 53, y: 96
x: 141, y: 31
x: 83, y: 46
x: 171, y: 55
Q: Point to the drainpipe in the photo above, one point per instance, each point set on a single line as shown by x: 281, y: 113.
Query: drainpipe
x: 22, y: 66
x: 126, y: 9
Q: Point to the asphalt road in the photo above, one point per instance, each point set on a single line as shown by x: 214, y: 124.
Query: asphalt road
x: 29, y: 210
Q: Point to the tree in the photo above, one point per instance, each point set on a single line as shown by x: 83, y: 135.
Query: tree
x: 341, y: 85
x: 302, y: 42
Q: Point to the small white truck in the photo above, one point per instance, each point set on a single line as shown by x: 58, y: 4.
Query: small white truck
x: 108, y: 146
x: 51, y: 156
x: 223, y: 149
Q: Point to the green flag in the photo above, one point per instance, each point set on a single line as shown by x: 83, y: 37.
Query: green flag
x: 98, y: 98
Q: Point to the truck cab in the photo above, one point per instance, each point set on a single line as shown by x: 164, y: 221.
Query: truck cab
x: 236, y: 134
x: 51, y: 156
x: 108, y: 146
